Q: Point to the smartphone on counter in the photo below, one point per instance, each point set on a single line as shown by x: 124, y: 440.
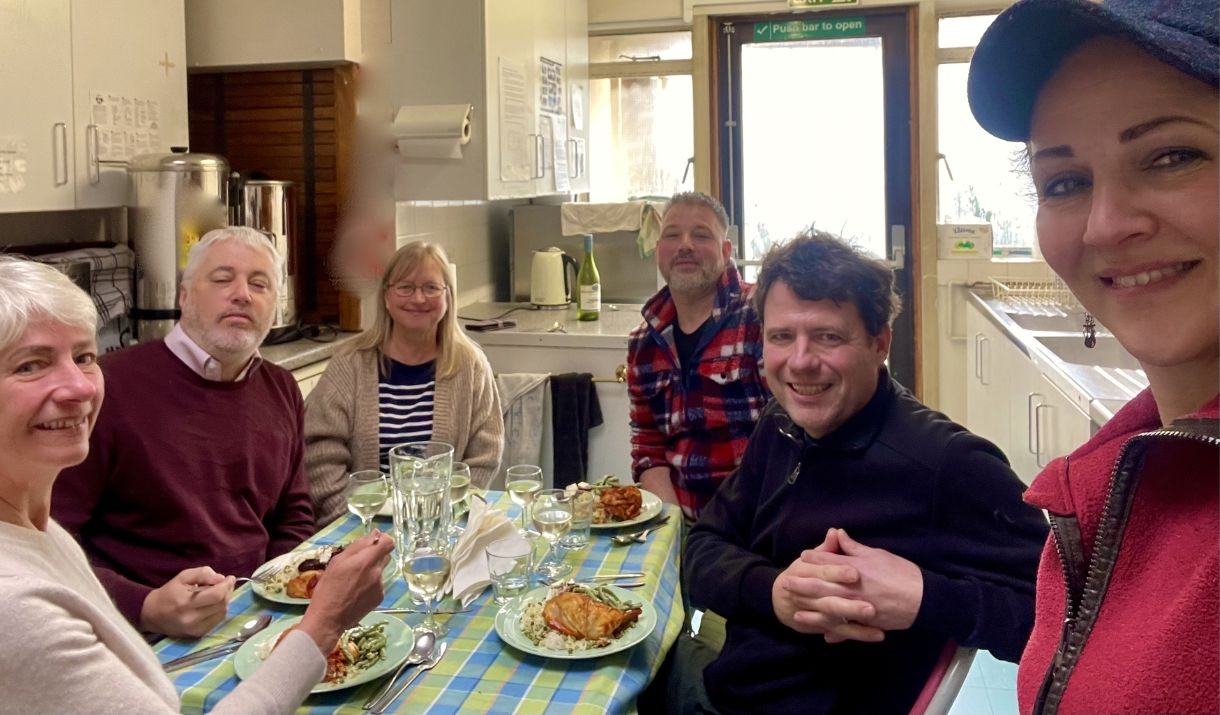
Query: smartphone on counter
x: 482, y: 326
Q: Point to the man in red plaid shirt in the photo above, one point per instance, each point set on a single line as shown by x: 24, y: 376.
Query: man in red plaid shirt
x: 695, y: 363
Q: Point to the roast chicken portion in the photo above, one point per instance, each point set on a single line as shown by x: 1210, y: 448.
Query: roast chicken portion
x: 580, y: 616
x: 622, y: 503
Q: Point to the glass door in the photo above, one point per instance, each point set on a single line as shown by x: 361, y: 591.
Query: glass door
x: 814, y: 122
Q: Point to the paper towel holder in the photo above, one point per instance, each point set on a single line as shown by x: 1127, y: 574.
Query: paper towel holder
x: 432, y: 131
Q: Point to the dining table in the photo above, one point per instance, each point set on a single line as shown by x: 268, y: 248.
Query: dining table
x: 480, y: 672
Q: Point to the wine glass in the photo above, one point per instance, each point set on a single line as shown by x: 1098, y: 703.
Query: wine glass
x: 426, y: 570
x: 552, y: 514
x: 459, y: 485
x: 521, y: 482
x: 367, y: 491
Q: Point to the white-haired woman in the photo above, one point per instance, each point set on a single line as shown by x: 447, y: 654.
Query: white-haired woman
x: 68, y: 648
x: 414, y: 376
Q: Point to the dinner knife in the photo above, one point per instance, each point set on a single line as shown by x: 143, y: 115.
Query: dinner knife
x: 380, y: 706
x: 197, y: 657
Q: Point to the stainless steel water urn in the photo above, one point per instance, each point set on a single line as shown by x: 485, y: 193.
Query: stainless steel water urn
x: 270, y: 206
x: 173, y: 199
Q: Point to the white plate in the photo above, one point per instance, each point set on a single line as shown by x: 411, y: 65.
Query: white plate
x: 650, y: 506
x: 296, y: 557
x: 508, y: 626
x: 399, y: 642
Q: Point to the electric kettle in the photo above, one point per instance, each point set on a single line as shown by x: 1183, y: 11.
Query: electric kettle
x: 549, y: 285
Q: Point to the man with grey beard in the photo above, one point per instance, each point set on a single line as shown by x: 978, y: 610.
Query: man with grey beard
x: 195, y: 472
x: 695, y: 364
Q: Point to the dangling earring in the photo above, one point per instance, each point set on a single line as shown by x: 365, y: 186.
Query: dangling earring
x: 1090, y: 331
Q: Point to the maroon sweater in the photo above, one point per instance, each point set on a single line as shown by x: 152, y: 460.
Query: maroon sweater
x: 185, y: 472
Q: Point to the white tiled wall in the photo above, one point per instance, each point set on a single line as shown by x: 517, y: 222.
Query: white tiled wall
x: 475, y: 234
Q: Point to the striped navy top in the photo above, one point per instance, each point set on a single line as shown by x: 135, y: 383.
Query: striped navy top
x: 405, y: 398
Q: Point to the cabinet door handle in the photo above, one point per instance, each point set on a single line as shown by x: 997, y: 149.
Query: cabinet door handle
x: 1030, y: 430
x: 984, y: 356
x: 1038, y: 433
x: 978, y: 357
x: 92, y: 160
x: 59, y: 149
x: 573, y: 159
x: 539, y: 157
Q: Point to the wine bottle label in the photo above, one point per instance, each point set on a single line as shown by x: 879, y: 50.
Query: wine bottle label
x: 591, y: 297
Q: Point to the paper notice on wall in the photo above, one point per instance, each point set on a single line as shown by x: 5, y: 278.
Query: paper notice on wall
x: 13, y: 162
x: 125, y: 126
x: 516, y: 147
x: 559, y: 153
x: 550, y: 86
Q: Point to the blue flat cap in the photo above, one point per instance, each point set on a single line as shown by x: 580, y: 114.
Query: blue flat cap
x: 1028, y: 41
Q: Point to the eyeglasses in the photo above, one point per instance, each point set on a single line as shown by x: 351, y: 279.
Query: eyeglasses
x: 406, y: 290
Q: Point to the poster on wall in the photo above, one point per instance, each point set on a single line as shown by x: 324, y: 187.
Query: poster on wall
x: 126, y: 126
x: 550, y: 86
x: 13, y: 152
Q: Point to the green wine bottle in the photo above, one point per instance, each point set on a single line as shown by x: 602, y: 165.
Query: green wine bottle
x: 589, y: 283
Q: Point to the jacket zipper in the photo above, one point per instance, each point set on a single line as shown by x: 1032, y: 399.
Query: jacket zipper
x: 1075, y: 629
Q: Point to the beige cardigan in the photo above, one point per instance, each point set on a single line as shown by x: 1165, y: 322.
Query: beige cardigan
x: 342, y: 422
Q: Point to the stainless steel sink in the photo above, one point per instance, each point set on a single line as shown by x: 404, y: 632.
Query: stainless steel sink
x: 1047, y: 323
x: 1107, y: 352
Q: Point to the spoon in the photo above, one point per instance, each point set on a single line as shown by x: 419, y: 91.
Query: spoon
x: 248, y: 629
x: 425, y: 642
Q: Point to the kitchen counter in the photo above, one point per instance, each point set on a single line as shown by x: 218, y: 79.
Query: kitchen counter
x: 299, y: 353
x: 1099, y: 391
x: 533, y: 325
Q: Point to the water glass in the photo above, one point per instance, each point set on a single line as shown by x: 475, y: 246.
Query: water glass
x: 420, y: 473
x: 459, y: 486
x: 582, y: 519
x: 551, y: 511
x: 521, y: 482
x: 509, y: 565
x: 367, y: 491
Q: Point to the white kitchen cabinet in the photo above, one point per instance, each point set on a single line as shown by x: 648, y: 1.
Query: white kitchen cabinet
x: 609, y: 443
x: 1013, y: 404
x: 86, y: 82
x: 499, y: 56
x: 307, y: 377
x: 987, y: 391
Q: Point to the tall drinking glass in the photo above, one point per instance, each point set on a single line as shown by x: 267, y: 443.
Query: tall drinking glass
x: 367, y: 491
x: 420, y: 472
x: 426, y: 570
x: 521, y: 482
x: 459, y: 485
x: 552, y: 514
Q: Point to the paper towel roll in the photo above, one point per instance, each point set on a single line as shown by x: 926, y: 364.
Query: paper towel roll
x: 432, y: 131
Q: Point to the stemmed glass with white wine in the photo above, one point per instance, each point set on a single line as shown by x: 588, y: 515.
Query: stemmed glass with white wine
x: 552, y: 514
x: 521, y: 482
x: 426, y: 569
x: 459, y: 485
x: 367, y: 491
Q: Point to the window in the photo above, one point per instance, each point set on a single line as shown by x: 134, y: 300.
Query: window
x: 641, y: 124
x: 981, y: 179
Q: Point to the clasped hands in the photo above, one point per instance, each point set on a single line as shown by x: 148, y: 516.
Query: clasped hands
x: 844, y: 590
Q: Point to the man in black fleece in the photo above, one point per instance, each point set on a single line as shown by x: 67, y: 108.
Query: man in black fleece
x: 863, y: 531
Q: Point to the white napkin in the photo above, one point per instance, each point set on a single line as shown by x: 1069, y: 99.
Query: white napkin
x: 468, y: 575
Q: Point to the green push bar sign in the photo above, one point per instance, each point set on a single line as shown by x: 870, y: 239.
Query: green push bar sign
x: 811, y: 29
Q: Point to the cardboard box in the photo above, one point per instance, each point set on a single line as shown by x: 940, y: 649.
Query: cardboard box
x: 963, y: 240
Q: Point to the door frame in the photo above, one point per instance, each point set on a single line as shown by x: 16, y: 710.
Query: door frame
x: 902, y: 206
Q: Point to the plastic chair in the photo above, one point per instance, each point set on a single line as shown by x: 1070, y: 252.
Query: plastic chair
x: 945, y: 681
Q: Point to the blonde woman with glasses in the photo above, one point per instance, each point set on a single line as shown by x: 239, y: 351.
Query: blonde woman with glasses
x: 413, y: 376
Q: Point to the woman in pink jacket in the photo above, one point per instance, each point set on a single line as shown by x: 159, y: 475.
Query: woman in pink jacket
x: 1117, y: 103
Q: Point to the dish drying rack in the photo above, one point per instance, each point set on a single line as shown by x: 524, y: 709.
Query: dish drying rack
x: 1051, y: 294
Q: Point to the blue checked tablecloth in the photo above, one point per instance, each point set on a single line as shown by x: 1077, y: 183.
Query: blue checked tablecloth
x: 480, y: 673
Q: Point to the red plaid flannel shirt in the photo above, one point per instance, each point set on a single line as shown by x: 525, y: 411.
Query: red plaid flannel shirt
x: 697, y: 424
